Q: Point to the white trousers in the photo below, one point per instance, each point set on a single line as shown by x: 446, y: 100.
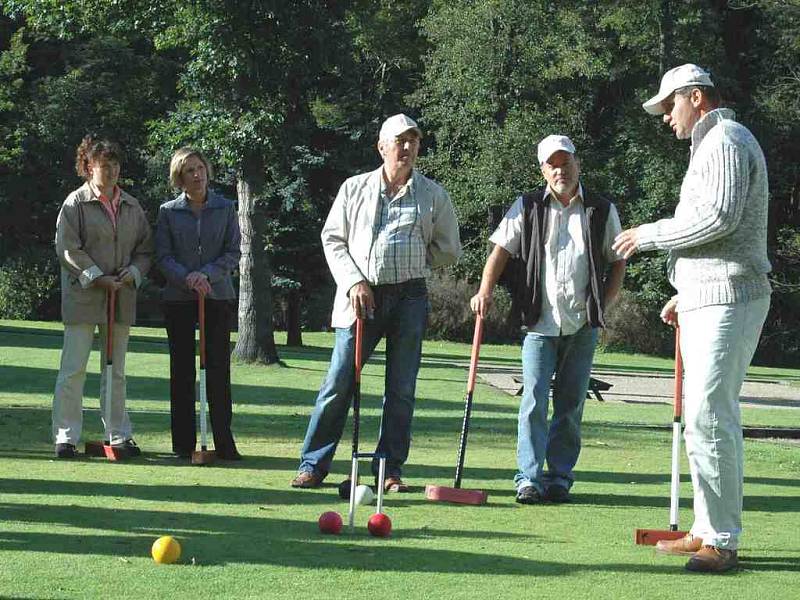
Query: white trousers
x: 68, y: 398
x: 717, y: 343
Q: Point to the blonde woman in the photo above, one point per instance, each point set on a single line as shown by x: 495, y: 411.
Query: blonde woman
x: 197, y: 248
x: 104, y: 244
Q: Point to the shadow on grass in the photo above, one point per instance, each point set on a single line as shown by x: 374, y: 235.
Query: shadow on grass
x: 769, y: 563
x: 40, y: 380
x: 224, y: 539
x: 23, y: 426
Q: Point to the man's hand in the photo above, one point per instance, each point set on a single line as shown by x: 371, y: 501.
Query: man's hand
x: 125, y: 276
x: 668, y: 314
x: 361, y: 299
x: 108, y: 282
x: 480, y: 303
x: 198, y: 282
x: 626, y: 243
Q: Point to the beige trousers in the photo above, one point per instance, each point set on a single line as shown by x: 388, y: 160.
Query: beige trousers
x: 68, y: 398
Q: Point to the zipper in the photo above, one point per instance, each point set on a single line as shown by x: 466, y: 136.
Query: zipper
x: 199, y: 240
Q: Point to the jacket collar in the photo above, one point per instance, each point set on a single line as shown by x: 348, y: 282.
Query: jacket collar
x: 213, y: 200
x: 86, y: 195
x: 708, y: 122
x: 376, y: 181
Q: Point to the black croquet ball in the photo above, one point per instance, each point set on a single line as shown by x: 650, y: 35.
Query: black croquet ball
x: 344, y: 489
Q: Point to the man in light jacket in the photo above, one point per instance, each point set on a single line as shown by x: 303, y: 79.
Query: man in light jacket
x: 717, y: 242
x: 385, y: 232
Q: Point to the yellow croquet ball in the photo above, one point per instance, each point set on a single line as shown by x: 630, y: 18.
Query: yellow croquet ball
x: 166, y: 550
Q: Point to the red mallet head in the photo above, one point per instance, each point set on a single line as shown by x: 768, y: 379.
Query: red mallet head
x: 379, y: 525
x: 330, y: 522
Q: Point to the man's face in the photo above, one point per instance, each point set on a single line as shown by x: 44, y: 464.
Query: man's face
x: 561, y: 171
x: 401, y: 152
x: 681, y: 113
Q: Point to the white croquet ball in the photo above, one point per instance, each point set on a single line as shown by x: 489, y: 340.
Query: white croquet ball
x: 364, y: 495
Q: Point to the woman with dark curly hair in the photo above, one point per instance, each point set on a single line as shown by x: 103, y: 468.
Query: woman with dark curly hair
x: 104, y: 245
x: 197, y: 249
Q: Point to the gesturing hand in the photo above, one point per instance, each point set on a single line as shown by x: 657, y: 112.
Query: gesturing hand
x: 626, y: 243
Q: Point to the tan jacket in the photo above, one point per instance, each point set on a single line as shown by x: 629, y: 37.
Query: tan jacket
x: 348, y: 235
x: 88, y: 247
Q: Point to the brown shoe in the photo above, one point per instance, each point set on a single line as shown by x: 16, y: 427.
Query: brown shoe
x: 307, y: 479
x: 394, y: 484
x: 687, y: 545
x: 710, y: 559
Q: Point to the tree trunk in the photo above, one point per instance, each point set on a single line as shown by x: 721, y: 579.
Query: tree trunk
x: 294, y: 332
x: 256, y: 342
x: 666, y: 26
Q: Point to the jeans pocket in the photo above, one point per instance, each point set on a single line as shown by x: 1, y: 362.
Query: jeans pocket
x: 416, y: 290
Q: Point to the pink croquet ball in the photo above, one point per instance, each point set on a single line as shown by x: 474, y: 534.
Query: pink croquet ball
x: 379, y: 525
x: 330, y: 522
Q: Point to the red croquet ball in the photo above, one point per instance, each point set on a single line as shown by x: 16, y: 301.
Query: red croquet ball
x: 379, y: 525
x: 330, y: 522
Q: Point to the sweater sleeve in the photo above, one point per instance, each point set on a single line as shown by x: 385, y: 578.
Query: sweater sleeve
x: 713, y: 210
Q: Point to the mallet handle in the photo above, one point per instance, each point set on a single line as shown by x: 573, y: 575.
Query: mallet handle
x: 473, y: 369
x: 357, y: 385
x: 676, y: 435
x: 201, y: 318
x: 111, y: 308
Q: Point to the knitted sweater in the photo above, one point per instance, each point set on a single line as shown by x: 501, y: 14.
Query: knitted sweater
x: 717, y: 240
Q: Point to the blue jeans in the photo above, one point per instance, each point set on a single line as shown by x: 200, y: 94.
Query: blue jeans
x: 401, y: 314
x: 569, y: 357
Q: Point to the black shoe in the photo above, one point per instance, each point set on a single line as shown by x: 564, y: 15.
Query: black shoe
x: 65, y: 451
x: 529, y: 495
x: 557, y: 494
x: 130, y: 448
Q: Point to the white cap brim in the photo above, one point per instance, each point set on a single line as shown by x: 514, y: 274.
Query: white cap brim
x: 653, y: 106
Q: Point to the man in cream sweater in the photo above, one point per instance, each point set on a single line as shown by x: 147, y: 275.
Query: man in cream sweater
x: 717, y: 242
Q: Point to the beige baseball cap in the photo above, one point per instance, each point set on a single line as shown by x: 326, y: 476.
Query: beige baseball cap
x: 552, y: 144
x: 397, y: 125
x: 675, y: 79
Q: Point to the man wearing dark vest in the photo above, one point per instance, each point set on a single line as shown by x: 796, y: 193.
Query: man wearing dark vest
x: 567, y: 277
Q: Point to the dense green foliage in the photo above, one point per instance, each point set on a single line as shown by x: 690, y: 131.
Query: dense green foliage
x: 286, y: 98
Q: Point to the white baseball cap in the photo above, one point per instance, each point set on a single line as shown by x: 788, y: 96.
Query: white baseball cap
x: 675, y: 79
x: 552, y: 144
x: 397, y: 125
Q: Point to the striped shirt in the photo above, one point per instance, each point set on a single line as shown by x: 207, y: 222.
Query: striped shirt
x: 398, y: 247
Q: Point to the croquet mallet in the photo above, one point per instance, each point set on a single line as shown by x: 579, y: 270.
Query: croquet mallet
x: 204, y: 456
x: 105, y: 447
x: 649, y: 537
x: 456, y: 494
x: 351, y: 515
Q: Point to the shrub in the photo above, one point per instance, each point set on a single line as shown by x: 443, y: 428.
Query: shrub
x: 634, y: 325
x: 29, y: 286
x: 452, y: 319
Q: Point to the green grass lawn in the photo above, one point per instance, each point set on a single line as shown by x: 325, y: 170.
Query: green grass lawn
x: 83, y: 528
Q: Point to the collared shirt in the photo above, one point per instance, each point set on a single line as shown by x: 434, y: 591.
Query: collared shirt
x: 111, y: 205
x: 565, y: 270
x: 398, y: 249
